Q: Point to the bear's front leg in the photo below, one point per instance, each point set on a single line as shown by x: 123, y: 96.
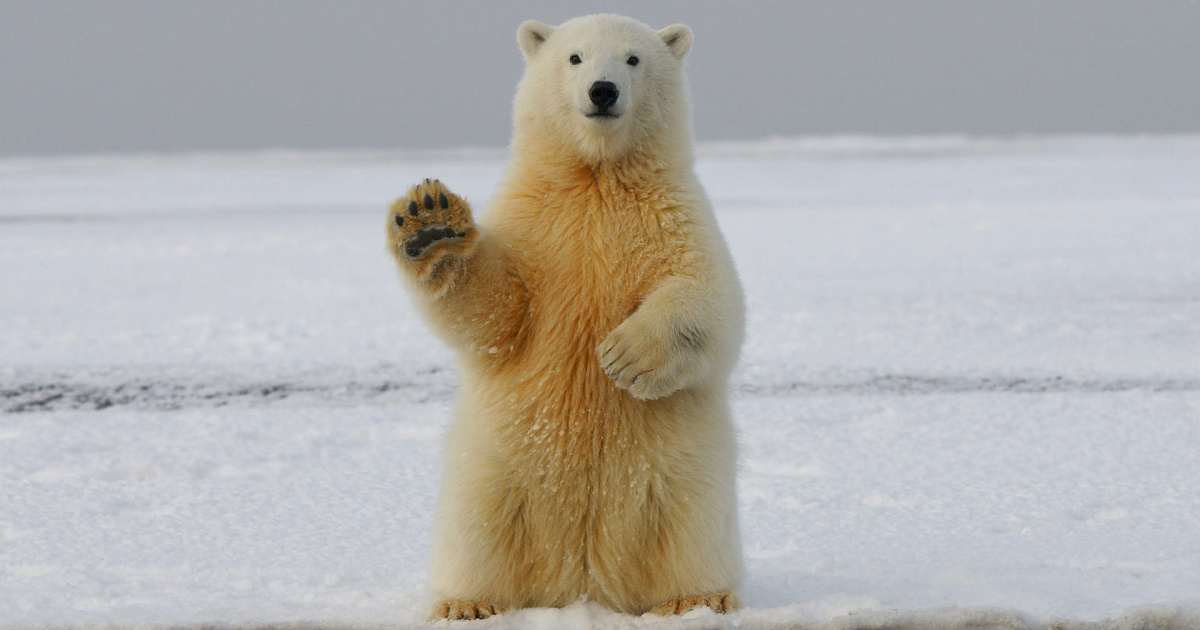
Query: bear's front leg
x: 667, y: 344
x: 463, y: 278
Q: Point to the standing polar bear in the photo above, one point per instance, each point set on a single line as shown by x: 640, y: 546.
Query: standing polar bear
x: 597, y: 316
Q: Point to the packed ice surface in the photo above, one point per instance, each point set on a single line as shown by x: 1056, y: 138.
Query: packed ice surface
x: 969, y: 396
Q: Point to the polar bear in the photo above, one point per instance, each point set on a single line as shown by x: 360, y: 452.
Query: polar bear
x: 597, y: 315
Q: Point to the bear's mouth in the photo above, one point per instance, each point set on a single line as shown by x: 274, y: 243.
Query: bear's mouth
x: 603, y: 115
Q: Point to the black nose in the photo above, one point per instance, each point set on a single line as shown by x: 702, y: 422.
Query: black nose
x: 604, y: 94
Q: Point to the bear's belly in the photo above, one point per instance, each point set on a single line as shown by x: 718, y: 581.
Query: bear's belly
x: 589, y: 465
x: 564, y: 408
x: 588, y: 471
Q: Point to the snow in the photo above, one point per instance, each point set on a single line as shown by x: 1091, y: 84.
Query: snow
x: 969, y: 396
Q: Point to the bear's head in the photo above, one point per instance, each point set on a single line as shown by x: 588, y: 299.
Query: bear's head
x: 599, y: 87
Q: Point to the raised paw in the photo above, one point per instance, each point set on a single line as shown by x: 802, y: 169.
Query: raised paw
x: 455, y: 609
x: 719, y: 603
x: 429, y: 219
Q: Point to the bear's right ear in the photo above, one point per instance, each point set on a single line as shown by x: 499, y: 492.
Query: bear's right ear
x: 531, y: 35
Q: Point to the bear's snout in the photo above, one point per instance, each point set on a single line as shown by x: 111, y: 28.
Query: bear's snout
x: 604, y: 94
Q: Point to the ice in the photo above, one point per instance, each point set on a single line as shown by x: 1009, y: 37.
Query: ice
x: 969, y: 395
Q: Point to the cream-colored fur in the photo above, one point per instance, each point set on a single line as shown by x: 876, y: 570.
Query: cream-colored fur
x: 597, y: 316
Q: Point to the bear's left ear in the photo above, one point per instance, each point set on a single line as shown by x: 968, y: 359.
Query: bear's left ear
x: 531, y: 35
x: 678, y: 39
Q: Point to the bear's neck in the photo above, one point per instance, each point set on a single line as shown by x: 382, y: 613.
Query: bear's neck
x: 663, y: 160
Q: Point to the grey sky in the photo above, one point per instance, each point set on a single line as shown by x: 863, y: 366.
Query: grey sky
x: 149, y: 75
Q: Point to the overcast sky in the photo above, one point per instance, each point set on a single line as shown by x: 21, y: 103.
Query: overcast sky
x: 138, y: 76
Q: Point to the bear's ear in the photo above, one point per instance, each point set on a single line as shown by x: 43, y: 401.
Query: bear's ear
x: 531, y: 35
x: 678, y: 39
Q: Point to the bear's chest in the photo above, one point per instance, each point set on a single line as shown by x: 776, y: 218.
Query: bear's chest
x: 594, y: 263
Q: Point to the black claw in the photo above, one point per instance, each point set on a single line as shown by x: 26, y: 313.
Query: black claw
x: 443, y: 201
x: 412, y: 208
x: 399, y: 221
x: 428, y: 202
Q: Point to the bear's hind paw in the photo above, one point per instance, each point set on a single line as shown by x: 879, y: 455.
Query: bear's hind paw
x: 456, y: 609
x: 719, y: 603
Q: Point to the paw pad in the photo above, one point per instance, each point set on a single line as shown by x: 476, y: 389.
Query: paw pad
x: 416, y: 245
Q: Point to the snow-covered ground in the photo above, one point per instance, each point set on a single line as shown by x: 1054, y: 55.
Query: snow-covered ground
x: 969, y: 397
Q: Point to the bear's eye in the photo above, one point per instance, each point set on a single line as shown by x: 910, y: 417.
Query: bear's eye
x: 575, y: 60
x: 633, y: 61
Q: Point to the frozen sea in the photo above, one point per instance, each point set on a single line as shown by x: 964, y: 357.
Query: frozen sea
x: 969, y: 395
